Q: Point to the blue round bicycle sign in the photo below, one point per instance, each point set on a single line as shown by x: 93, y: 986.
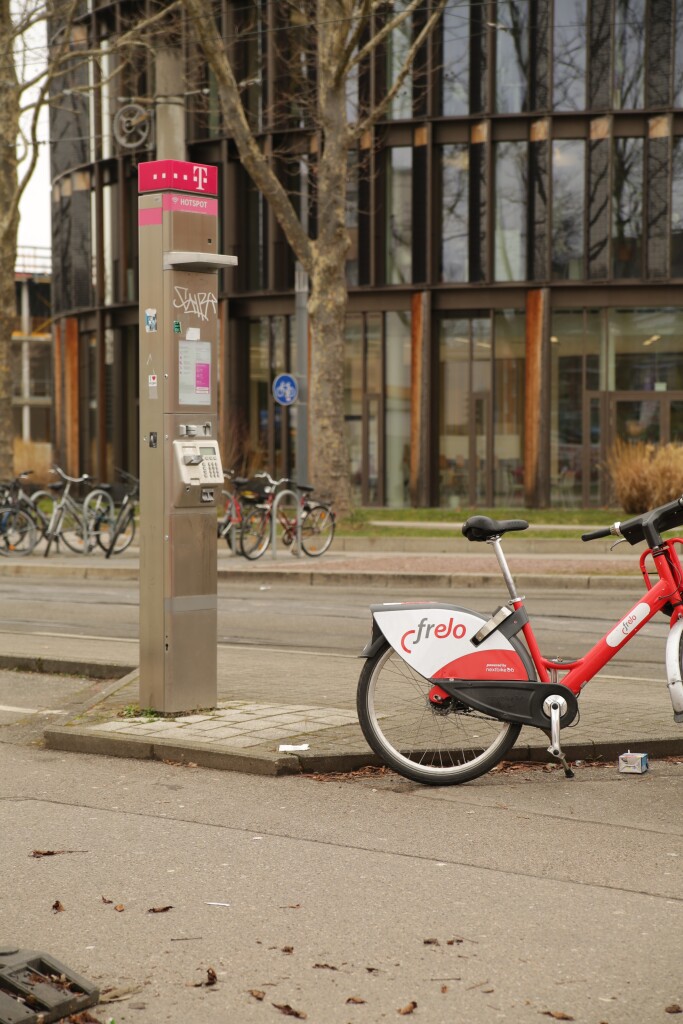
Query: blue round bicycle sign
x: 285, y: 389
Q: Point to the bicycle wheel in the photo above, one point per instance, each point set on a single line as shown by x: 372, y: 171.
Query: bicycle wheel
x: 227, y: 526
x: 317, y: 530
x: 43, y: 504
x: 76, y: 533
x: 98, y: 506
x: 117, y: 537
x: 255, y: 533
x: 18, y: 534
x: 438, y: 746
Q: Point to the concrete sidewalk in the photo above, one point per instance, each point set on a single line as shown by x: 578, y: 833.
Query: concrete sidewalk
x: 265, y: 696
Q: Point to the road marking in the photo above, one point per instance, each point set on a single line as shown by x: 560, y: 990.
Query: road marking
x: 29, y: 711
x: 82, y: 636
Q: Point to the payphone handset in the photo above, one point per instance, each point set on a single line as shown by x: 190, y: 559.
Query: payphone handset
x: 197, y: 472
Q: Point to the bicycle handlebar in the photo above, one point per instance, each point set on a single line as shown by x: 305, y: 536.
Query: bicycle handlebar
x: 607, y: 531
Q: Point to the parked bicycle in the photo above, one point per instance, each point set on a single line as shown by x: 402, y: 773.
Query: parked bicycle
x: 72, y: 521
x: 317, y: 520
x: 114, y: 532
x: 238, y: 501
x: 16, y: 506
x: 444, y: 693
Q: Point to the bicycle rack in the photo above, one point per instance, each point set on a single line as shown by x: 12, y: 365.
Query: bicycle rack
x: 273, y: 521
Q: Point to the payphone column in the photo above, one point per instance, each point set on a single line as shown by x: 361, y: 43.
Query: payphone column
x: 180, y: 466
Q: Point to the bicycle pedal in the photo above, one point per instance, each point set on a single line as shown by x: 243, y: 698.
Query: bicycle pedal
x: 555, y: 706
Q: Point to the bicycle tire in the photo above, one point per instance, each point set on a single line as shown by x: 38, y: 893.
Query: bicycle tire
x: 255, y: 533
x: 18, y: 534
x: 227, y: 526
x: 75, y: 532
x: 98, y: 505
x: 120, y: 537
x: 437, y: 747
x: 317, y: 530
x: 42, y: 503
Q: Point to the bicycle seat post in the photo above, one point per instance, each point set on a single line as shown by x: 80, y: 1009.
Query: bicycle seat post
x: 504, y: 568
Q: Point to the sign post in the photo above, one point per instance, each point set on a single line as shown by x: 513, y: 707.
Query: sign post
x: 180, y: 467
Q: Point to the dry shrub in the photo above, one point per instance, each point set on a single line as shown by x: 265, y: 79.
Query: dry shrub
x: 645, y: 475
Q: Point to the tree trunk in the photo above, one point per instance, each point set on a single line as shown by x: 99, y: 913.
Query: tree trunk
x: 9, y: 224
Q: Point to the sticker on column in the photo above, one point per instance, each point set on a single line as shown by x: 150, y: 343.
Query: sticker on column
x: 151, y: 321
x: 194, y: 372
x: 152, y: 381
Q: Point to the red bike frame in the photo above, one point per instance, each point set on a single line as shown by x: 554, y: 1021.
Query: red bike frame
x: 668, y: 587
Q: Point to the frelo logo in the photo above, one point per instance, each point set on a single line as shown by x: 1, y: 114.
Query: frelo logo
x: 627, y: 623
x: 441, y: 632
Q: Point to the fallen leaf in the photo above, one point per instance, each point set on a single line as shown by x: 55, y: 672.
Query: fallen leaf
x: 158, y: 910
x: 372, y: 970
x: 556, y: 1014
x: 105, y: 900
x: 84, y: 1017
x: 291, y: 906
x: 408, y: 1009
x: 211, y: 976
x: 53, y: 853
x: 489, y: 990
x: 431, y: 942
x: 119, y: 908
x: 289, y: 1011
x: 257, y: 994
x: 454, y: 942
x: 444, y: 988
x: 356, y: 1000
x: 288, y: 949
x: 58, y: 907
x: 328, y: 967
x: 674, y: 1008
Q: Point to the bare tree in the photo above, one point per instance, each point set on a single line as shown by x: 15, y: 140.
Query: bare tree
x: 43, y: 52
x: 340, y: 37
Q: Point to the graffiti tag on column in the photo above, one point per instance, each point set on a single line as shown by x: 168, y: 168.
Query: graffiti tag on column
x: 199, y: 303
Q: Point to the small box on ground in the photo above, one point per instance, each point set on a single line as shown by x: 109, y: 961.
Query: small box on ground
x: 634, y: 764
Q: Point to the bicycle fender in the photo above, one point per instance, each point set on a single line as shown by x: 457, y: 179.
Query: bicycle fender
x: 376, y: 640
x: 436, y: 639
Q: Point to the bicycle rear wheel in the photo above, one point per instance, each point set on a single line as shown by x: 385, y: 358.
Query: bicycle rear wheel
x: 437, y: 746
x: 43, y: 504
x: 18, y: 534
x: 255, y: 533
x: 317, y: 530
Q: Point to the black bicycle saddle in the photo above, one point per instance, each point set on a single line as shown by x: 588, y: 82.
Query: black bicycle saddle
x: 483, y: 528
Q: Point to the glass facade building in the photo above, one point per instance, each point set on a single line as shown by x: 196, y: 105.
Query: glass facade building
x: 516, y: 263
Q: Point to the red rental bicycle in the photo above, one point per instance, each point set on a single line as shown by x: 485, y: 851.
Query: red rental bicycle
x: 444, y: 693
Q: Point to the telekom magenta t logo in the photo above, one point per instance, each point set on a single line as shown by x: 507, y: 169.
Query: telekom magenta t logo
x: 200, y: 176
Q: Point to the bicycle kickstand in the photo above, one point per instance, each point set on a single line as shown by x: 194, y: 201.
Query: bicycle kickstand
x: 554, y: 707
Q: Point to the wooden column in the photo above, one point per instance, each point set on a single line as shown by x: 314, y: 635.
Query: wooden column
x: 71, y: 396
x: 537, y: 400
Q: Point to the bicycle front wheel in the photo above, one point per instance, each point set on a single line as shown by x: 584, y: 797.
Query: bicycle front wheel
x: 76, y: 533
x: 255, y: 534
x: 437, y: 746
x: 119, y: 537
x: 18, y: 534
x: 317, y: 530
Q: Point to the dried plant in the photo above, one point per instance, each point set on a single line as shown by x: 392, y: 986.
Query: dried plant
x: 645, y: 475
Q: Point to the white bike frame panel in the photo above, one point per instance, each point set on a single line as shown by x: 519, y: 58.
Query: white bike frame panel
x: 436, y: 641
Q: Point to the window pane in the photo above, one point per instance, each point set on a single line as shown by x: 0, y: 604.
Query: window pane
x: 259, y: 388
x: 454, y: 394
x: 627, y: 208
x: 569, y: 55
x: 455, y: 57
x: 511, y: 219
x: 629, y: 54
x: 398, y: 45
x: 508, y: 410
x: 454, y: 202
x: 677, y: 210
x: 644, y: 350
x: 512, y: 56
x: 568, y: 208
x: 399, y: 216
x: 397, y: 408
x: 566, y: 433
x: 678, y: 56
